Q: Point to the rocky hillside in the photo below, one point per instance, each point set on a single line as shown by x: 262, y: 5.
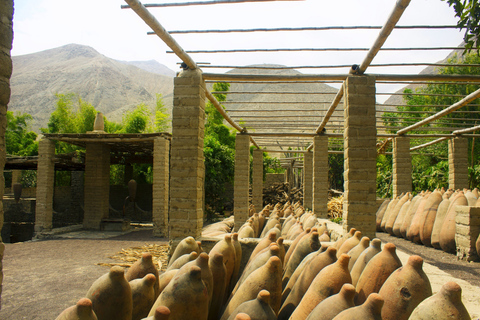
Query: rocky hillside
x: 112, y: 86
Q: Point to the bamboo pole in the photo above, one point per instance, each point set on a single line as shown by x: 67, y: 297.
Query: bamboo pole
x: 152, y: 22
x: 392, y: 20
x: 330, y: 110
x: 472, y: 96
x: 328, y: 93
x: 202, y: 3
x: 334, y: 49
x: 429, y: 143
x: 462, y: 131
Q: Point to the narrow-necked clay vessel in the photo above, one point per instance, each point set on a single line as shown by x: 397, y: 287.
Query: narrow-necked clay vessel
x: 258, y: 308
x: 445, y: 305
x: 111, y: 296
x: 207, y: 276
x: 226, y: 249
x: 410, y: 214
x: 143, y: 296
x: 219, y: 272
x: 413, y: 230
x: 380, y: 213
x: 430, y: 213
x: 256, y: 225
x: 333, y: 305
x: 186, y: 296
x: 242, y: 316
x: 238, y: 259
x: 287, y: 224
x: 182, y: 260
x: 374, y: 248
x: 271, y: 223
x: 268, y: 277
x: 246, y: 231
x: 141, y: 268
x: 356, y: 251
x: 391, y: 205
x: 295, y: 231
x: 328, y: 282
x: 349, y: 243
x: 447, y: 233
x: 281, y: 247
x: 404, y: 290
x: 262, y: 244
x: 294, y: 244
x: 400, y: 218
x: 437, y: 225
x: 161, y: 313
x: 81, y: 311
x: 165, y: 278
x: 322, y: 227
x: 325, y: 237
x: 394, y: 213
x: 344, y: 238
x: 185, y: 246
x: 376, y: 272
x: 370, y: 310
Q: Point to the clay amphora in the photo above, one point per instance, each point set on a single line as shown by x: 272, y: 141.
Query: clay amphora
x: 310, y: 222
x: 258, y: 308
x: 277, y: 231
x: 111, y: 296
x: 287, y: 224
x: 364, y: 258
x: 281, y: 247
x: 226, y: 248
x: 388, y: 211
x: 370, y: 310
x: 181, y: 261
x: 328, y: 282
x: 380, y: 212
x: 143, y: 296
x: 400, y: 218
x: 471, y: 198
x: 186, y: 296
x: 161, y: 313
x: 410, y: 214
x: 81, y: 311
x: 344, y: 238
x: 308, y: 244
x: 477, y: 204
x: 430, y: 213
x: 321, y: 228
x: 242, y: 316
x: 141, y: 268
x: 349, y: 244
x: 333, y: 305
x: 215, y: 263
x: 356, y: 251
x: 404, y: 290
x: 376, y: 272
x: 256, y: 225
x: 261, y: 221
x: 271, y: 223
x: 294, y: 244
x: 394, y: 213
x: 324, y: 237
x: 447, y: 233
x: 246, y: 231
x: 238, y: 259
x: 295, y: 231
x: 413, y: 230
x: 185, y: 246
x: 207, y: 277
x: 437, y: 225
x: 264, y: 243
x: 165, y: 278
x: 267, y: 277
x: 446, y: 304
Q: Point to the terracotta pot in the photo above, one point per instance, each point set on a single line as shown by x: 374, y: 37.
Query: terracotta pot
x: 364, y: 258
x: 256, y: 225
x: 410, y: 214
x: 282, y: 252
x: 380, y: 213
x: 256, y: 309
x: 404, y: 290
x: 328, y: 282
x: 370, y: 310
x: 132, y: 190
x: 322, y: 228
x: 246, y: 231
x: 376, y: 272
x: 293, y: 245
x: 181, y: 261
x: 238, y: 259
x: 165, y: 278
x: 271, y: 223
x: 310, y: 222
x: 17, y: 191
x: 446, y: 304
x: 186, y: 296
x: 430, y: 213
x: 295, y: 231
x: 324, y: 237
x: 141, y: 268
x: 161, y: 313
x: 471, y: 198
x: 185, y: 246
x: 267, y: 277
x: 219, y: 271
x: 143, y: 296
x: 349, y: 244
x: 413, y: 230
x: 264, y: 243
x: 81, y: 311
x: 111, y: 296
x: 394, y: 213
x: 287, y: 224
x: 391, y: 205
x: 333, y: 305
x: 447, y: 233
x: 227, y: 250
x: 356, y: 251
x: 437, y: 225
x: 344, y: 238
x: 400, y: 218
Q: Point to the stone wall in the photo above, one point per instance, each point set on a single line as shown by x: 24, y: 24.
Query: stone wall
x: 467, y: 229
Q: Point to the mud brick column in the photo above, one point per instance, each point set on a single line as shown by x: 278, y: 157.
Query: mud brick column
x: 308, y: 180
x: 320, y: 176
x: 161, y: 155
x: 45, y: 185
x: 359, y: 206
x: 467, y: 229
x: 257, y: 180
x: 242, y: 179
x: 97, y: 185
x: 187, y: 170
x: 458, y: 163
x: 402, y: 166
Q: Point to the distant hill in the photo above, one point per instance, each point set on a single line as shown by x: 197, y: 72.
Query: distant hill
x: 111, y: 86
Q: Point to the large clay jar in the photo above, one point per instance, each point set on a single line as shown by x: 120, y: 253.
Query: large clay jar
x: 181, y: 261
x: 349, y: 244
x: 333, y: 305
x: 413, y: 231
x: 281, y: 247
x: 471, y: 198
x: 161, y: 313
x: 227, y: 250
x: 344, y: 238
x: 380, y: 213
x: 404, y: 290
x: 256, y: 225
x: 207, y: 277
x: 328, y: 282
x: 376, y: 272
x: 268, y: 277
x: 445, y: 305
x: 400, y: 218
x: 356, y: 251
x: 308, y: 244
x: 143, y: 296
x: 388, y: 211
x: 81, y: 311
x: 238, y: 259
x: 271, y: 223
x: 186, y: 296
x: 219, y: 271
x: 430, y: 213
x: 437, y: 225
x: 246, y: 231
x: 295, y: 231
x: 262, y: 244
x: 322, y: 228
x: 287, y: 224
x: 447, y: 233
x: 141, y: 268
x: 410, y: 214
x: 165, y: 278
x: 111, y: 296
x: 325, y: 237
x: 185, y: 246
x: 357, y: 269
x: 394, y: 213
x: 370, y: 310
x: 293, y: 245
x: 258, y: 308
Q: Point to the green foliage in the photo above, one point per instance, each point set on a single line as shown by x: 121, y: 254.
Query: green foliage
x: 468, y: 13
x: 335, y: 171
x: 384, y: 176
x: 18, y: 139
x: 162, y: 121
x: 137, y: 121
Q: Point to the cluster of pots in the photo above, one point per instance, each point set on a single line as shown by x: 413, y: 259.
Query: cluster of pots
x: 427, y: 218
x: 351, y: 278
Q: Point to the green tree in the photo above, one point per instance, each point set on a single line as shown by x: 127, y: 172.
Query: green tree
x: 162, y: 120
x: 18, y: 139
x: 138, y: 120
x: 468, y: 13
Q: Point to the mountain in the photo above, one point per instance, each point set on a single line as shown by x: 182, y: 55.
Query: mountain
x: 111, y: 86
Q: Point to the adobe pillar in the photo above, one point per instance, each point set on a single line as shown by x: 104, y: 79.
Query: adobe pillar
x: 45, y: 185
x: 402, y: 166
x: 320, y: 176
x: 161, y: 153
x: 308, y: 180
x: 257, y: 180
x: 242, y: 179
x: 458, y: 163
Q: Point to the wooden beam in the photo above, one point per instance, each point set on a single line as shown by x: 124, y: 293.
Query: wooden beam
x: 472, y: 129
x: 330, y: 110
x: 429, y: 143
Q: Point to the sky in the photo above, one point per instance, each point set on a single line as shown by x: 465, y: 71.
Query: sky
x: 121, y: 34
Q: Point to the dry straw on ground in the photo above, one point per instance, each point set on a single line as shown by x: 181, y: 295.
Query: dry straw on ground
x: 335, y: 207
x: 130, y: 255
